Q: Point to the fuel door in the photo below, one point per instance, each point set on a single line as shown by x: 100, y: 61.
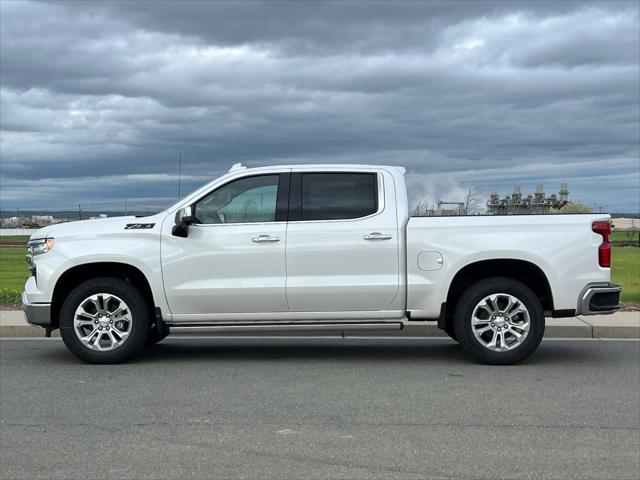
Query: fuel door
x: 430, y: 261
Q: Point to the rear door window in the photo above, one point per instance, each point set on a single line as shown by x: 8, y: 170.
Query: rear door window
x: 338, y: 196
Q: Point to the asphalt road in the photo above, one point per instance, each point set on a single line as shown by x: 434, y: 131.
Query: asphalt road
x: 320, y: 408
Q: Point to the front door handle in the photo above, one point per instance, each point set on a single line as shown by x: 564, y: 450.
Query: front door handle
x: 265, y: 238
x: 377, y: 236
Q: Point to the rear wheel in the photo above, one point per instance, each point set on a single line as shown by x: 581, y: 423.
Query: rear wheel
x: 499, y: 321
x: 105, y: 320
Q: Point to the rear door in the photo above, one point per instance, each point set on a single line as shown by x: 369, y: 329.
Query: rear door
x: 342, y: 242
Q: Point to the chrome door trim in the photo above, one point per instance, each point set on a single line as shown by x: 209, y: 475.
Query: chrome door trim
x: 265, y: 238
x: 377, y: 236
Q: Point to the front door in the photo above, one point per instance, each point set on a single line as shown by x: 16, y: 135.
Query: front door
x: 342, y: 242
x: 233, y: 259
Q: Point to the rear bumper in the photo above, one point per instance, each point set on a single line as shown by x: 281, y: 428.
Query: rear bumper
x: 599, y: 299
x: 36, y: 313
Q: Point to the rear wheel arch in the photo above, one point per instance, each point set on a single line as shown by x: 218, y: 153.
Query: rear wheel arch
x: 78, y: 274
x: 523, y: 271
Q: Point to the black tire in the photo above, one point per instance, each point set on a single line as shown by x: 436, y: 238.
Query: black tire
x: 140, y: 310
x: 465, y: 309
x: 157, y: 333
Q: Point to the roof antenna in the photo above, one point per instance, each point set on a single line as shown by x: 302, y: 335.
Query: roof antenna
x: 237, y: 166
x: 179, y: 172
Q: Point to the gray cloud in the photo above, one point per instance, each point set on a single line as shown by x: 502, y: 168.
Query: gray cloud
x: 490, y: 93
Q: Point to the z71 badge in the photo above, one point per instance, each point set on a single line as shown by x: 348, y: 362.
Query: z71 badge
x: 138, y: 226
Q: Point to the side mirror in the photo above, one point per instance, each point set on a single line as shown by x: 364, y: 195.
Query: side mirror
x: 184, y: 218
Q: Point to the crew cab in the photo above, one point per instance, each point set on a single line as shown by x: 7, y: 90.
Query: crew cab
x: 309, y: 248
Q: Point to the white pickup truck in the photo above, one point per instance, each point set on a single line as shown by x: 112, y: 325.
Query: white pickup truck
x: 309, y: 248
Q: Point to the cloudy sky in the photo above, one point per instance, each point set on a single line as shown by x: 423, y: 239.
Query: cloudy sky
x: 99, y: 99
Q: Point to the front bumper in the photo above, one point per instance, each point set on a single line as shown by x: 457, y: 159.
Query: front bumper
x: 36, y: 313
x: 599, y: 299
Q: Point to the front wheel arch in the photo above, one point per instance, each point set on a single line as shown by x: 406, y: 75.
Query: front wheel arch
x: 74, y: 276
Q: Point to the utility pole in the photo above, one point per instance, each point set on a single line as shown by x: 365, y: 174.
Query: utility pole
x: 179, y: 173
x: 125, y: 206
x: 79, y: 212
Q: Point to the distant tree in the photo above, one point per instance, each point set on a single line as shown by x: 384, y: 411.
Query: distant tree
x: 472, y: 201
x: 573, y: 207
x: 421, y: 209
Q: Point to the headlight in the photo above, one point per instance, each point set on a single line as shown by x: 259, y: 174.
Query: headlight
x: 40, y: 245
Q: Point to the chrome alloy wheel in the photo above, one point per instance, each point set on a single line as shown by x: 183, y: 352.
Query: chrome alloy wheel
x: 102, y: 322
x: 500, y: 322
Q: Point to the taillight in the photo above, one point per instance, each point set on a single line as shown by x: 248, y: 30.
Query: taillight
x: 604, y: 251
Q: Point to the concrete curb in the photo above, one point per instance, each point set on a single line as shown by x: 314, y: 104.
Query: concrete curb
x: 624, y: 325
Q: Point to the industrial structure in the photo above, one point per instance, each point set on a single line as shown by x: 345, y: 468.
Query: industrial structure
x: 459, y: 210
x: 537, y: 203
x: 422, y: 209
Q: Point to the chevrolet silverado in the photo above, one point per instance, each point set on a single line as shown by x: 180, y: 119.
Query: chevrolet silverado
x: 309, y: 248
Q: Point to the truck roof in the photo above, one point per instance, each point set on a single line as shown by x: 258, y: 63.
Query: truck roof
x: 304, y: 166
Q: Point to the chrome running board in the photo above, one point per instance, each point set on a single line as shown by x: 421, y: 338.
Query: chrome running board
x: 289, y: 326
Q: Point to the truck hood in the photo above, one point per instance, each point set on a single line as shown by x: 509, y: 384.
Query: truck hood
x: 94, y: 227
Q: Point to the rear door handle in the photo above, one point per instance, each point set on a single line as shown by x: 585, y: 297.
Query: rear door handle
x: 265, y: 238
x: 377, y: 236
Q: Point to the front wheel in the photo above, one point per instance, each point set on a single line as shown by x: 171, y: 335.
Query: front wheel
x: 105, y: 320
x: 499, y: 321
